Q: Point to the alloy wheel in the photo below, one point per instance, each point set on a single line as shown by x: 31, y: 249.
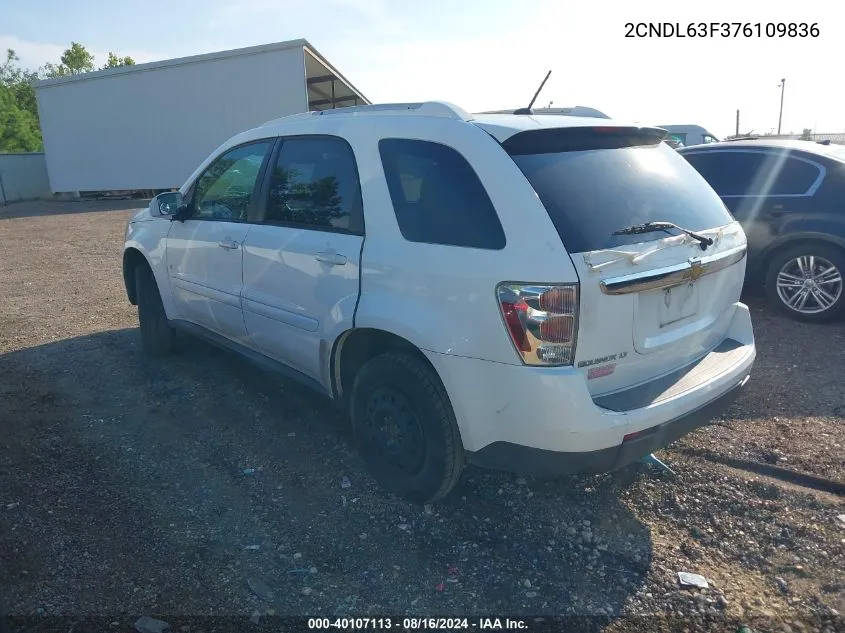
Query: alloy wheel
x: 809, y: 284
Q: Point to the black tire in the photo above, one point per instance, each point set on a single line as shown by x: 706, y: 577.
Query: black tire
x: 813, y: 311
x: 405, y: 427
x: 156, y: 333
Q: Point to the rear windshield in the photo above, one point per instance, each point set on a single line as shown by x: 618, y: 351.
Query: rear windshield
x: 590, y: 193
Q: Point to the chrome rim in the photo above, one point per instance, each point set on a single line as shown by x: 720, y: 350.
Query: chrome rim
x: 809, y: 284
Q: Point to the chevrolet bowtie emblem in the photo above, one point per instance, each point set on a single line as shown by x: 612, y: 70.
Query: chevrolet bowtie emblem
x: 695, y: 271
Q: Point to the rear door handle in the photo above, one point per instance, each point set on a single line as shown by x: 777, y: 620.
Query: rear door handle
x: 228, y: 244
x: 331, y: 258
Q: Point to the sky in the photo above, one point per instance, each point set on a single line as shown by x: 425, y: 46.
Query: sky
x: 492, y: 54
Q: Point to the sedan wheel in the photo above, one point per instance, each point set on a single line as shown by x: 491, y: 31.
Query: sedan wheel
x: 807, y: 284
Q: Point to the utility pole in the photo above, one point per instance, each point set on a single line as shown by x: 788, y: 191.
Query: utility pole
x: 737, y: 122
x: 782, y: 87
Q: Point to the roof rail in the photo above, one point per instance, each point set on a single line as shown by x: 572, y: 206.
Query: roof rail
x: 440, y: 109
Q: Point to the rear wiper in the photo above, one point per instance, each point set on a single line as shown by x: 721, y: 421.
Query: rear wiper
x: 651, y: 227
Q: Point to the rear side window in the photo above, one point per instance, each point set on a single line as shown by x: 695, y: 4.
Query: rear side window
x: 793, y: 176
x: 729, y: 173
x: 314, y: 184
x: 437, y: 196
x: 590, y: 193
x: 737, y: 173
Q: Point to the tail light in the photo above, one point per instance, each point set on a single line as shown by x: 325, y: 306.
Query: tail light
x: 542, y: 321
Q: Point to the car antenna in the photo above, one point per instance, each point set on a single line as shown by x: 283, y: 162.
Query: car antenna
x: 528, y: 110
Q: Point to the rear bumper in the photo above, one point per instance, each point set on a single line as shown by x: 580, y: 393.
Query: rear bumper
x: 537, y: 461
x: 544, y: 419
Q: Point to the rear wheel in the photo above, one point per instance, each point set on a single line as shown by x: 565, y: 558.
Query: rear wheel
x: 156, y: 333
x: 405, y: 427
x: 805, y: 282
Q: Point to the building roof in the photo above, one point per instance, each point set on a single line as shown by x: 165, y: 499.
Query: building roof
x: 193, y: 59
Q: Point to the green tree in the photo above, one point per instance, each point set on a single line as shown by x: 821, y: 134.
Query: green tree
x: 74, y: 61
x: 19, y: 130
x: 19, y: 124
x: 77, y: 59
x: 807, y: 134
x: 19, y: 81
x: 114, y: 61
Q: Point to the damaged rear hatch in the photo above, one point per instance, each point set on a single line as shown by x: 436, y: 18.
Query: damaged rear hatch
x: 653, y: 300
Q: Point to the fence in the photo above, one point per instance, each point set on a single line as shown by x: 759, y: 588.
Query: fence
x: 836, y: 138
x: 23, y: 177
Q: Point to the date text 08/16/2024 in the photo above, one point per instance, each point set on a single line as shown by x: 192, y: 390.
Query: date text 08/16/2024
x: 417, y: 623
x: 722, y: 29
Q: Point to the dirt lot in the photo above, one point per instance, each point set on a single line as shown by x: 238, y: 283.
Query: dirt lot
x: 123, y: 491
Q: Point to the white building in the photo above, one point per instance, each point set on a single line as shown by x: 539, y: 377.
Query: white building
x: 148, y: 126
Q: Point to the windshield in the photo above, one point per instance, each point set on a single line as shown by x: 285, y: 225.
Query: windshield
x: 590, y: 194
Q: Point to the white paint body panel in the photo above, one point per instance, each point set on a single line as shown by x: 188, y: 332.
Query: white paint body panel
x: 291, y: 301
x: 442, y: 298
x: 551, y: 407
x: 631, y: 323
x: 205, y: 279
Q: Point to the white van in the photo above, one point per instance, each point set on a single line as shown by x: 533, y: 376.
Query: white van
x: 689, y: 134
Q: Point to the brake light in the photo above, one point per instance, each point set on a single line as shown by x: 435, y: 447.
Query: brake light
x: 557, y: 329
x: 542, y: 321
x: 514, y: 318
x: 559, y: 300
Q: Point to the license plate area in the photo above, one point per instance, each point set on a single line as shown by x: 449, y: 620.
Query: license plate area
x: 677, y: 303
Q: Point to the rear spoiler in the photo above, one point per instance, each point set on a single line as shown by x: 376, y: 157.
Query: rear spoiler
x: 576, y: 139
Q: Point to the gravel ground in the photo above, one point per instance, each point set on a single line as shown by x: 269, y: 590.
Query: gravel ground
x: 126, y: 489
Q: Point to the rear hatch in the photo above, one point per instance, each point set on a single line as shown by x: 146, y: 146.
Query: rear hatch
x: 648, y: 303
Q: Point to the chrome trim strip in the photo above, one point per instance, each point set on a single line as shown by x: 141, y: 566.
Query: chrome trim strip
x: 671, y: 276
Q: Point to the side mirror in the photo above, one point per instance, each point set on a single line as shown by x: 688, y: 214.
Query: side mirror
x: 165, y: 204
x: 180, y: 214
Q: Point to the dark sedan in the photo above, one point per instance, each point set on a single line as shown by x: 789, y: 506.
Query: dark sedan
x: 789, y: 197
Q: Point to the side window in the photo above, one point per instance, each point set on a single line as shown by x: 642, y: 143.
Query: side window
x: 225, y: 190
x: 437, y: 196
x: 754, y: 173
x: 793, y: 176
x: 730, y: 173
x: 314, y: 183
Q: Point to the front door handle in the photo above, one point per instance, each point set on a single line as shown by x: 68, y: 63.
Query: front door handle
x: 228, y: 244
x: 331, y: 258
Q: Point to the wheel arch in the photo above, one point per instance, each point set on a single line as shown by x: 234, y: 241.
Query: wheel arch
x: 356, y: 346
x: 132, y: 258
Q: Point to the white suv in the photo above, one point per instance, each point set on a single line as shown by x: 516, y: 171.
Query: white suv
x: 541, y: 294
